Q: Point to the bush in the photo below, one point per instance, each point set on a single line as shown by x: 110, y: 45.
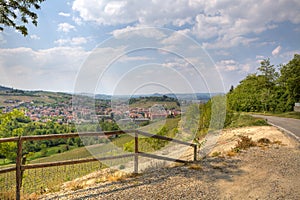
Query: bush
x: 122, y: 167
x: 245, y: 142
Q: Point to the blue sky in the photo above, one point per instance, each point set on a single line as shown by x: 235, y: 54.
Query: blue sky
x: 196, y: 45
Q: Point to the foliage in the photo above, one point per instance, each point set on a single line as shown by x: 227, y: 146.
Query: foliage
x: 15, y: 123
x: 163, y: 98
x: 214, y: 115
x: 11, y: 124
x: 268, y: 91
x: 16, y: 14
x: 192, y: 116
x: 290, y: 79
x: 152, y: 144
x: 242, y: 120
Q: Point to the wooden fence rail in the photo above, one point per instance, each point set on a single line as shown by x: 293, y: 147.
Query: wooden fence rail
x: 21, y: 167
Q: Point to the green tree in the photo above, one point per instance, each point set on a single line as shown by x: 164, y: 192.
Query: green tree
x: 11, y: 125
x: 18, y: 13
x: 269, y: 72
x: 290, y: 79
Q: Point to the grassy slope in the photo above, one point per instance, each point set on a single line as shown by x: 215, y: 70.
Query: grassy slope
x: 244, y: 119
x: 295, y: 115
x: 41, y: 96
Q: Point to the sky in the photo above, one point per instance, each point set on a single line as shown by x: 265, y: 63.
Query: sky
x: 144, y: 46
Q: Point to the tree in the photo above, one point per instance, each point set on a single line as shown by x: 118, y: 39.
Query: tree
x: 270, y: 90
x: 18, y: 13
x: 10, y: 126
x: 290, y: 79
x: 268, y: 71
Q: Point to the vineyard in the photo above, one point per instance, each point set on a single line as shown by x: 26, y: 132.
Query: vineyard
x: 50, y: 179
x: 49, y: 173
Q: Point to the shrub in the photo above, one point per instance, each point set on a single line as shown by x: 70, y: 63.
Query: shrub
x: 264, y: 141
x: 245, y: 142
x: 122, y: 167
x: 216, y: 153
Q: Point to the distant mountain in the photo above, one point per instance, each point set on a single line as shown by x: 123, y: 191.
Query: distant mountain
x: 3, y: 88
x: 181, y: 96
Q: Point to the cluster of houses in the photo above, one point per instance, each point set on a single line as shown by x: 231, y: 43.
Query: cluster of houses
x: 143, y: 115
x: 66, y: 113
x: 62, y: 113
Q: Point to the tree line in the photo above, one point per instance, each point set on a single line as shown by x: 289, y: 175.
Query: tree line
x: 270, y: 89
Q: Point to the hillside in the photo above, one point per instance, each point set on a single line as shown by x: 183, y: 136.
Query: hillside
x: 269, y: 171
x: 12, y: 97
x: 3, y: 88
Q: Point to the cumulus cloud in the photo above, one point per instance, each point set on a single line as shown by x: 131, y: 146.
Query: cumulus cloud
x: 73, y: 41
x: 227, y: 23
x: 227, y: 65
x: 139, y: 31
x: 35, y: 37
x: 64, y: 14
x: 49, y: 69
x: 276, y: 51
x: 65, y: 27
x: 233, y: 65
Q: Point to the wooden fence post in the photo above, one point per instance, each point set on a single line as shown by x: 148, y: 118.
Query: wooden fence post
x: 195, y: 153
x: 18, y: 169
x: 136, y: 151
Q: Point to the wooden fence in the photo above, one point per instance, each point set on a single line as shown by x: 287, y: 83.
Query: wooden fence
x: 20, y: 166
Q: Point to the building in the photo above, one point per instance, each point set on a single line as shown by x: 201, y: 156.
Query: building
x: 297, y: 107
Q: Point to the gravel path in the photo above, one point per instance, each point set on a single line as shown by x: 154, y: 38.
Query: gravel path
x: 258, y: 173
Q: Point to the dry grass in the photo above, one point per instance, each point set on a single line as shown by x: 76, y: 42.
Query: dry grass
x: 216, y: 154
x: 231, y: 153
x: 10, y: 194
x: 278, y: 142
x: 195, y: 166
x: 245, y: 142
x: 33, y: 196
x: 107, y: 175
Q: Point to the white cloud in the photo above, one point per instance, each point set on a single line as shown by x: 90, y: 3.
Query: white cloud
x: 49, y: 69
x: 276, y: 51
x: 227, y: 65
x: 288, y: 55
x: 142, y: 11
x: 73, y: 41
x: 176, y: 63
x: 139, y: 31
x: 233, y: 65
x: 77, y: 20
x: 65, y: 27
x: 64, y: 14
x: 126, y: 58
x: 35, y: 37
x: 177, y: 37
x: 227, y: 23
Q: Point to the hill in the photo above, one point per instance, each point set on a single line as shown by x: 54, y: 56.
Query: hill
x: 12, y: 97
x: 3, y: 88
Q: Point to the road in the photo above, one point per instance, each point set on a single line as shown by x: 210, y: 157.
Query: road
x: 291, y: 126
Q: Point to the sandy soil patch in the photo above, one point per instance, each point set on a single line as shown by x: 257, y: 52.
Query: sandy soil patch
x: 229, y: 137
